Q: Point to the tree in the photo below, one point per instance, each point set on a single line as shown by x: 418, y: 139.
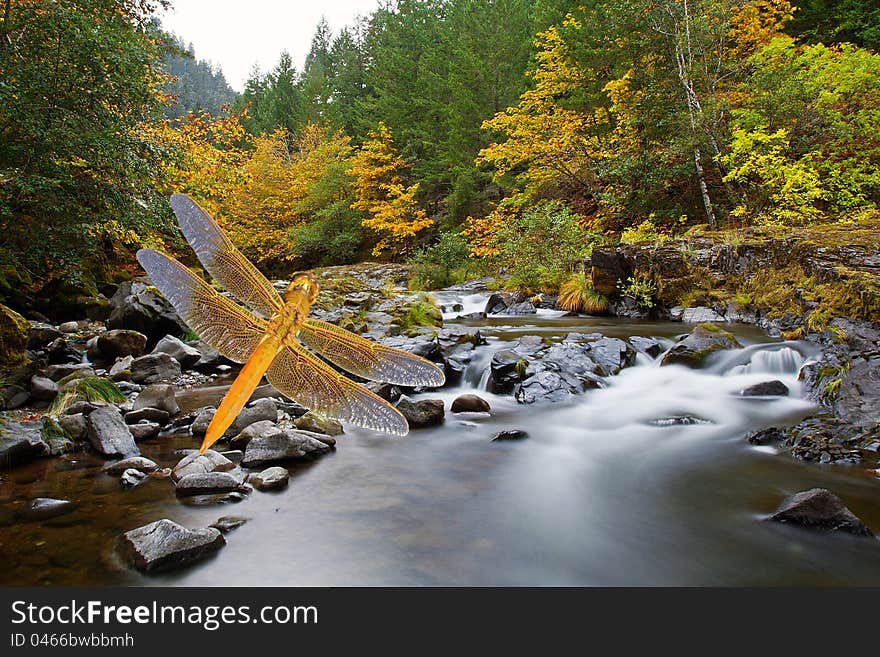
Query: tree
x: 390, y: 205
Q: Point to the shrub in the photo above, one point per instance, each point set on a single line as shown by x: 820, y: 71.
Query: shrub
x: 441, y: 264
x: 640, y: 287
x: 576, y: 295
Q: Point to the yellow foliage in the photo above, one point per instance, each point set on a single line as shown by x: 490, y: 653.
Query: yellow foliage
x: 390, y: 206
x: 754, y: 24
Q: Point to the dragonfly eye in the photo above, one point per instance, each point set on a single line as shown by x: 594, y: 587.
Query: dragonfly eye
x: 305, y: 282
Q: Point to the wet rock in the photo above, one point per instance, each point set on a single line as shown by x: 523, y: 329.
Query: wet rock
x: 118, y: 343
x: 819, y: 508
x: 108, y: 433
x: 42, y: 334
x: 154, y: 368
x: 12, y: 397
x: 139, y: 307
x: 132, y: 477
x: 270, y: 479
x: 14, y: 335
x: 295, y: 410
x: 522, y: 308
x: 209, y: 358
x: 259, y: 428
x: 499, y: 302
x: 504, y: 371
x: 648, y: 346
x: 43, y: 508
x: 470, y: 403
x: 678, y: 421
x: 138, y: 463
x: 261, y: 409
x: 83, y: 407
x: 317, y: 423
x: 611, y: 354
x: 165, y: 545
x: 156, y: 415
x: 21, y: 442
x: 226, y: 524
x: 283, y: 446
x: 700, y: 314
x: 510, y: 434
x: 43, y: 388
x: 195, y: 463
x: 421, y: 413
x: 766, y: 389
x: 69, y: 327
x: 184, y: 354
x: 157, y: 395
x: 58, y: 372
x: 208, y: 483
x: 144, y: 430
x: 74, y: 425
x: 769, y: 436
x: 121, y: 369
x: 234, y: 455
x: 199, y: 426
x: 705, y: 339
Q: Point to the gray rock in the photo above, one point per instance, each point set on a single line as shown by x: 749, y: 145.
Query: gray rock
x: 227, y: 523
x: 157, y: 395
x: 184, y: 354
x: 208, y: 483
x: 43, y: 508
x: 522, y: 308
x: 108, y: 433
x: 270, y: 479
x: 257, y: 429
x: 21, y: 442
x: 503, y: 371
x: 138, y: 463
x: 41, y: 335
x: 819, y: 508
x: 165, y: 545
x: 118, y: 343
x: 74, y: 425
x: 132, y: 477
x: 58, y: 372
x: 154, y: 368
x: 147, y: 414
x: 611, y: 354
x: 769, y: 436
x: 144, y: 430
x: 421, y: 413
x: 234, y: 455
x: 83, y: 407
x: 766, y: 389
x: 12, y: 397
x: 700, y: 314
x: 195, y: 463
x: 317, y: 423
x: 646, y: 345
x: 69, y: 327
x: 121, y: 370
x: 283, y: 446
x: 199, y: 426
x: 137, y: 306
x: 261, y: 409
x: 470, y: 403
x: 705, y: 339
x: 510, y: 434
x: 43, y: 388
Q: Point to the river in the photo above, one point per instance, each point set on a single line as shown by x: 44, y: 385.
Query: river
x: 609, y: 489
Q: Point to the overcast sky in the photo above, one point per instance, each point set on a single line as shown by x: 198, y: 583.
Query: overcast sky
x: 236, y: 34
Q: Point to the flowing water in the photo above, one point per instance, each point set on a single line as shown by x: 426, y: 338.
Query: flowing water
x: 647, y: 481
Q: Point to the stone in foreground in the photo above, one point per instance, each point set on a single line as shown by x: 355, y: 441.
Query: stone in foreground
x: 819, y: 508
x: 270, y: 479
x: 195, y: 463
x: 317, y: 423
x: 283, y: 446
x: 774, y: 388
x: 510, y: 434
x: 421, y: 413
x: 108, y: 433
x: 470, y: 403
x: 165, y: 545
x: 207, y: 483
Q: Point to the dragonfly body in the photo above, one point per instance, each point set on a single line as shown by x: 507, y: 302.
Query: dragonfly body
x: 277, y: 339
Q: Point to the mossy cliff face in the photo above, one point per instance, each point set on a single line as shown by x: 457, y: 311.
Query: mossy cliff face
x: 815, y: 273
x: 14, y: 331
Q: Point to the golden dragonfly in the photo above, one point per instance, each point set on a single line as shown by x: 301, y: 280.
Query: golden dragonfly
x: 277, y: 339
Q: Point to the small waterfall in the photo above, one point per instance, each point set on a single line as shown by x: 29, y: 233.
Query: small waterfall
x: 771, y: 361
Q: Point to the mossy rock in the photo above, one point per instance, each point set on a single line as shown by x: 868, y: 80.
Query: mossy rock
x: 14, y: 332
x: 705, y: 339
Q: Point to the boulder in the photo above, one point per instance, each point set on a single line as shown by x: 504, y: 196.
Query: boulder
x: 510, y: 434
x: 611, y: 354
x: 157, y: 395
x: 165, y: 545
x: 118, y: 343
x: 503, y: 371
x: 208, y: 483
x: 270, y: 479
x: 766, y: 389
x: 41, y: 335
x: 260, y: 428
x: 132, y: 477
x: 58, y: 372
x: 21, y: 442
x: 121, y: 369
x: 199, y: 426
x: 138, y: 463
x: 184, y: 354
x: 70, y: 327
x: 819, y: 508
x: 12, y: 397
x: 144, y: 430
x: 138, y: 306
x: 421, y: 413
x: 700, y: 314
x: 43, y: 388
x: 14, y: 334
x: 108, y: 433
x: 261, y: 409
x: 705, y: 339
x: 147, y: 415
x: 470, y: 403
x: 195, y: 463
x: 647, y: 346
x: 43, y: 508
x: 317, y: 423
x: 74, y: 425
x: 154, y: 368
x: 283, y: 446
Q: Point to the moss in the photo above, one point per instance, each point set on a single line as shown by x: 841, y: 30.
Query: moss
x: 14, y: 332
x: 420, y: 313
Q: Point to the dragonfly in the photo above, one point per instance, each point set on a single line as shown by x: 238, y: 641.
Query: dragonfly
x: 274, y: 336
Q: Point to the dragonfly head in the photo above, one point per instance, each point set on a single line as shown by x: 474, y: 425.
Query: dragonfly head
x: 303, y: 282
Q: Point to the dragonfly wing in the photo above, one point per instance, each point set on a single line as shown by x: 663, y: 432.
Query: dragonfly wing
x: 369, y: 359
x: 314, y: 384
x: 227, y: 327
x: 222, y: 260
